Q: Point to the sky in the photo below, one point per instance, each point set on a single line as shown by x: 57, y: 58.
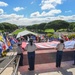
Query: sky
x: 29, y: 12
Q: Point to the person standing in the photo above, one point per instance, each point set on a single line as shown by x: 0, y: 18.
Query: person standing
x: 20, y: 52
x: 31, y: 47
x: 74, y: 54
x: 59, y: 53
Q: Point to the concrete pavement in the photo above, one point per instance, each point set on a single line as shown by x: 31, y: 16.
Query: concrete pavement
x: 49, y: 69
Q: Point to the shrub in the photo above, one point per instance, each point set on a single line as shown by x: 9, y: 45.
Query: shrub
x: 71, y: 36
x: 49, y: 34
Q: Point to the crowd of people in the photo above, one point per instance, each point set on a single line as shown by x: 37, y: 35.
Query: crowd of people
x: 31, y: 48
x: 6, y: 44
x: 45, y: 38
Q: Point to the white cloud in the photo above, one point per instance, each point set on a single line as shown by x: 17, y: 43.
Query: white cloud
x: 26, y: 21
x: 43, y: 14
x: 10, y: 16
x: 61, y: 17
x: 18, y: 9
x: 3, y: 3
x: 36, y: 17
x: 69, y: 11
x: 49, y: 4
x: 1, y: 11
x: 35, y: 14
x: 21, y: 20
x: 52, y: 12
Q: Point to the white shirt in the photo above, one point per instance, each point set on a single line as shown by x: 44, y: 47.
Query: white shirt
x: 30, y: 48
x: 60, y: 47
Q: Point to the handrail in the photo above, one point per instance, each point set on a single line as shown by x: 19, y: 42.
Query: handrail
x: 7, y: 65
x: 16, y: 69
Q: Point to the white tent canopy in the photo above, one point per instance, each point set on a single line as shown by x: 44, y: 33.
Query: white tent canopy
x: 25, y: 32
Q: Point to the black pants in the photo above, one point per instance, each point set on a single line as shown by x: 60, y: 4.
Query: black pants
x: 21, y: 59
x: 31, y: 60
x: 58, y: 58
x: 74, y: 57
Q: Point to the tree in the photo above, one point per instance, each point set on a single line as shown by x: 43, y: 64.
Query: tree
x: 7, y: 27
x: 35, y: 27
x: 32, y: 27
x: 42, y: 26
x: 74, y: 29
x: 71, y: 26
x: 57, y: 24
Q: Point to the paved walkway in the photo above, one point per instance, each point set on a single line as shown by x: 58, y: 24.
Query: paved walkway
x: 49, y: 69
x: 45, y: 64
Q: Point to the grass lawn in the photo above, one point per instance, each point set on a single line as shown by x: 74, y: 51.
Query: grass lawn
x: 49, y: 30
x: 17, y: 31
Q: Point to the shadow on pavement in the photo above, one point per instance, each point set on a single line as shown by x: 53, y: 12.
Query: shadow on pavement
x: 67, y: 70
